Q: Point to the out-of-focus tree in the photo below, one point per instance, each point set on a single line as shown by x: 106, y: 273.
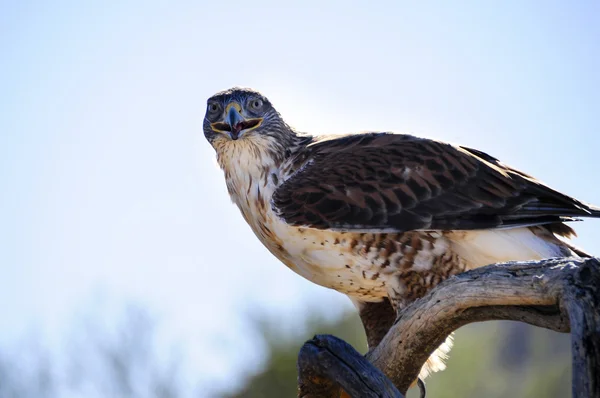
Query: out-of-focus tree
x: 486, y: 361
x: 122, y: 362
x: 492, y: 359
x: 278, y: 376
x: 98, y: 362
x: 26, y: 372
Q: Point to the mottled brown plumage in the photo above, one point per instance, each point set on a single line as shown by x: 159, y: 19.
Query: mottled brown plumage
x: 380, y: 217
x: 392, y: 182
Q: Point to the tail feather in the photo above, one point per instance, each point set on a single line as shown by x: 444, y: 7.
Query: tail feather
x: 564, y: 233
x: 594, y: 210
x: 580, y: 252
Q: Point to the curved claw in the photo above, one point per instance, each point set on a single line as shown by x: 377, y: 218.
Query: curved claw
x: 422, y: 389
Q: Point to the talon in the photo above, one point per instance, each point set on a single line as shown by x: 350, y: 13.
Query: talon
x: 422, y: 389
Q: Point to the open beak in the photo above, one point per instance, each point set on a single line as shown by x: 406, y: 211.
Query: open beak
x: 234, y: 123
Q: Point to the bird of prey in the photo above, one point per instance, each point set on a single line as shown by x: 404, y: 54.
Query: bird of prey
x: 378, y: 216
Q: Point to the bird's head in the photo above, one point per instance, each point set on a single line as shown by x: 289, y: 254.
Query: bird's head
x: 241, y: 115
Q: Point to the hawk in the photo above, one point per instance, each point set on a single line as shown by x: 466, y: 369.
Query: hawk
x: 378, y: 216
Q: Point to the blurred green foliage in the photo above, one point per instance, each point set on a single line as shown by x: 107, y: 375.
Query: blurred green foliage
x: 278, y: 377
x: 492, y: 359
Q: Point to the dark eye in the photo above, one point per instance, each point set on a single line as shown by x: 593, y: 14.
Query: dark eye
x: 256, y: 104
x: 213, y: 107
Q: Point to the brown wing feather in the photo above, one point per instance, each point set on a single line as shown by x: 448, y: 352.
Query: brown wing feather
x: 382, y: 181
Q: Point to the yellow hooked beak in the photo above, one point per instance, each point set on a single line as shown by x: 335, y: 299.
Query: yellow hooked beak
x: 234, y: 123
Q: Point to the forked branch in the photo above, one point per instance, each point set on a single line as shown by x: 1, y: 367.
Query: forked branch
x: 557, y: 294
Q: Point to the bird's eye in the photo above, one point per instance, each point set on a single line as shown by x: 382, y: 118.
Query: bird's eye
x: 213, y: 107
x: 256, y: 104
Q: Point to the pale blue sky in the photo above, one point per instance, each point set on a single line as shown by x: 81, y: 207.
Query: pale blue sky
x: 110, y: 190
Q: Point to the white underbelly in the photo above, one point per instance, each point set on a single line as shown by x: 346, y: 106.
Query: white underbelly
x: 326, y: 258
x: 335, y: 259
x: 479, y: 248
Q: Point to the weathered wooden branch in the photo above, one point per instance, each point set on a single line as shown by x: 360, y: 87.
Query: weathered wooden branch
x: 326, y: 358
x: 557, y: 294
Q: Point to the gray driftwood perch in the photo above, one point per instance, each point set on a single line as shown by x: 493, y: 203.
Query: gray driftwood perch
x: 558, y: 294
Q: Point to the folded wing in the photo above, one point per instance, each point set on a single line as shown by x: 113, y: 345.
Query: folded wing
x: 393, y: 182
